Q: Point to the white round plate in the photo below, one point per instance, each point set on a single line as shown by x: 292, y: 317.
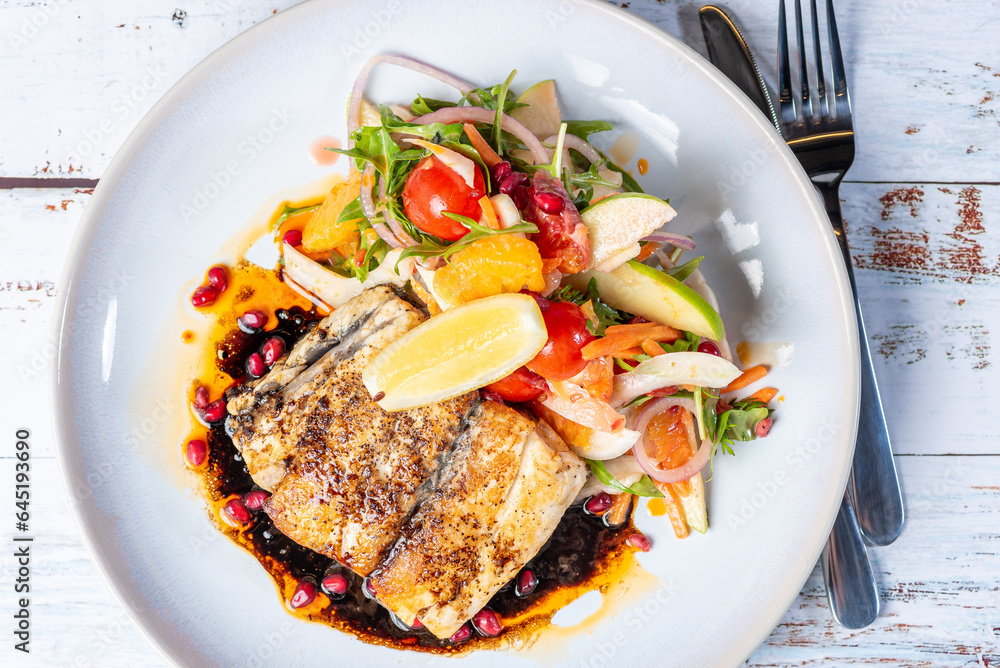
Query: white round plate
x: 236, y: 129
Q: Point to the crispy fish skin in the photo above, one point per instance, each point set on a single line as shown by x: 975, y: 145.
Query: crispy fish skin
x: 263, y: 413
x: 359, y: 471
x: 501, y: 495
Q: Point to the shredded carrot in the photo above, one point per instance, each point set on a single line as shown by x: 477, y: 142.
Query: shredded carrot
x: 321, y: 306
x: 619, y: 337
x: 751, y: 375
x: 675, y: 511
x: 764, y: 394
x: 489, y: 213
x: 647, y: 250
x: 652, y: 348
x: 618, y: 512
x: 488, y: 155
x: 625, y: 353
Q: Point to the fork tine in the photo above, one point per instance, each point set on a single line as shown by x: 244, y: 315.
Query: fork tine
x: 784, y: 70
x: 841, y: 96
x: 820, y: 80
x: 807, y: 109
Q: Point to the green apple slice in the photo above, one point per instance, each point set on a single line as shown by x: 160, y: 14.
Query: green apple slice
x: 656, y: 296
x: 693, y: 503
x: 542, y: 115
x: 616, y: 223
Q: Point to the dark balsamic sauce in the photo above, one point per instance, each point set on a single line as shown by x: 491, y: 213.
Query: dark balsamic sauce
x: 581, y: 547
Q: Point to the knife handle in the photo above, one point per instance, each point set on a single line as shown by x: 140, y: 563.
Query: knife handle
x: 874, y: 484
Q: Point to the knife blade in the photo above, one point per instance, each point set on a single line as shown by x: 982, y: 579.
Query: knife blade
x: 728, y: 51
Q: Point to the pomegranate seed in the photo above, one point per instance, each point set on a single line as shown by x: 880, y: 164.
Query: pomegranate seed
x: 417, y: 624
x: 550, y: 203
x: 334, y: 584
x: 520, y: 198
x: 511, y: 182
x: 273, y: 349
x: 499, y: 172
x: 369, y: 588
x: 461, y: 635
x: 196, y: 452
x: 526, y: 583
x: 487, y: 623
x: 710, y: 348
x: 201, y: 397
x: 763, y: 427
x: 204, y: 295
x: 304, y: 594
x: 255, y: 500
x: 215, y: 411
x: 598, y: 503
x: 252, y: 321
x: 237, y: 511
x: 218, y: 278
x: 293, y: 238
x: 256, y: 366
x: 639, y: 541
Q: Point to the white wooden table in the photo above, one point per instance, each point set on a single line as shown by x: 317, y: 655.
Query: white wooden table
x: 77, y: 75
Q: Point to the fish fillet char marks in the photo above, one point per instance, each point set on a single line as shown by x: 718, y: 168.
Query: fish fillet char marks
x: 440, y: 505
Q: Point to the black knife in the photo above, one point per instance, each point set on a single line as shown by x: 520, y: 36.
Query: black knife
x: 729, y: 52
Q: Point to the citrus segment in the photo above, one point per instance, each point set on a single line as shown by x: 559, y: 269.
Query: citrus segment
x: 490, y: 266
x: 322, y: 232
x: 462, y: 349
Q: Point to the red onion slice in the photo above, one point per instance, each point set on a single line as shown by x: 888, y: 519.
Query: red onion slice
x: 678, y: 240
x: 679, y: 474
x: 357, y: 92
x: 480, y: 115
x: 577, y: 144
x: 394, y: 225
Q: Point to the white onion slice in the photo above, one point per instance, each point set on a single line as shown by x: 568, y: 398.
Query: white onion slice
x: 687, y: 368
x: 480, y: 115
x: 576, y: 404
x: 679, y: 474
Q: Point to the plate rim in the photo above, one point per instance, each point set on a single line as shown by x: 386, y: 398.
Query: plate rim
x: 67, y: 449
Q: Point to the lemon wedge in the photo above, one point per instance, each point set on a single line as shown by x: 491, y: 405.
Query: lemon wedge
x: 462, y: 349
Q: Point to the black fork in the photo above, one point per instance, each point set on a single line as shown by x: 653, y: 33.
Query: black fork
x: 821, y: 135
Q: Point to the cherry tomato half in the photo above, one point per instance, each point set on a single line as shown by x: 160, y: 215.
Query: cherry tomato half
x: 521, y: 385
x: 433, y: 188
x: 561, y: 357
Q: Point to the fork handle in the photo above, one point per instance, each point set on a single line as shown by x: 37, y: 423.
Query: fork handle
x: 874, y: 485
x: 850, y: 582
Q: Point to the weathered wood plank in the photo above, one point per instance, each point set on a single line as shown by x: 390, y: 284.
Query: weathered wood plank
x: 922, y: 114
x: 938, y: 582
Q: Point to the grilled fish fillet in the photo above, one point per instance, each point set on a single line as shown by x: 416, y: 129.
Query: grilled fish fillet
x: 502, y: 493
x: 441, y: 505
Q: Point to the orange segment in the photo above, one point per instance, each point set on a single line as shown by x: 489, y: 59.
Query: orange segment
x: 490, y: 266
x: 322, y: 232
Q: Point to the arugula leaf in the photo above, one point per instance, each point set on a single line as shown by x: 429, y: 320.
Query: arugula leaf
x: 606, y: 315
x: 289, y: 211
x: 644, y: 486
x: 583, y: 129
x: 433, y: 247
x: 685, y: 270
x: 425, y: 105
x: 688, y: 343
x: 629, y: 184
x: 501, y: 99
